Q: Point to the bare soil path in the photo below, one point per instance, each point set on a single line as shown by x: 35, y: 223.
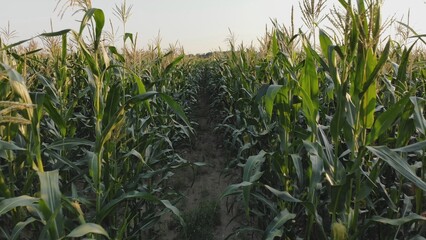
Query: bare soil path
x: 210, y: 182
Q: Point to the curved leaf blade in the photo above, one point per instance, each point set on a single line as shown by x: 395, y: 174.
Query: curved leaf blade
x: 8, y: 204
x: 286, y: 196
x: 21, y: 226
x: 399, y: 221
x: 398, y: 163
x: 87, y: 228
x: 274, y: 228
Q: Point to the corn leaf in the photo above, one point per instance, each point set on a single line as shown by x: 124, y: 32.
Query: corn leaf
x: 274, y: 229
x: 419, y: 119
x: 234, y: 189
x: 401, y: 78
x: 252, y: 167
x: 174, y: 210
x: 412, y: 147
x: 173, y: 64
x: 141, y: 89
x: 417, y: 237
x: 398, y: 163
x: 325, y: 43
x: 100, y: 22
x: 175, y: 107
x: 399, y: 221
x: 111, y: 205
x: 274, y: 44
x: 9, y: 146
x: 271, y: 93
x: 51, y: 196
x: 252, y: 173
x: 21, y: 226
x: 87, y: 228
x: 22, y: 201
x: 286, y: 196
x: 50, y: 34
x: 378, y: 66
x: 386, y: 119
x: 69, y: 143
x: 368, y: 100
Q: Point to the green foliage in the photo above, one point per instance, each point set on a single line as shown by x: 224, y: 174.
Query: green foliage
x: 329, y: 138
x: 341, y: 126
x: 100, y: 134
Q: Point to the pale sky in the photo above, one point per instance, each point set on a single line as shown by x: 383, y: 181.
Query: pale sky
x: 198, y: 25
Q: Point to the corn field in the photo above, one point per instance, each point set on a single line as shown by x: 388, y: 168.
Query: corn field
x: 326, y: 129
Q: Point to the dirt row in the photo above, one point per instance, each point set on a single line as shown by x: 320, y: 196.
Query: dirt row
x: 210, y: 180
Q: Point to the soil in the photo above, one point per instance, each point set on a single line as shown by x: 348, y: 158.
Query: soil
x: 210, y: 180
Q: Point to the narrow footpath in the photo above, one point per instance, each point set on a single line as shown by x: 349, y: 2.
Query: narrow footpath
x: 210, y: 182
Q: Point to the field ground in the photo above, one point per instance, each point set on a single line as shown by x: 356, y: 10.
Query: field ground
x: 209, y: 181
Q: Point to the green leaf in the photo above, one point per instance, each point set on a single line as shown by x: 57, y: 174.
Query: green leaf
x: 114, y: 51
x: 252, y: 167
x: 271, y: 93
x: 419, y: 119
x: 274, y: 45
x: 252, y: 173
x: 406, y: 126
x: 22, y: 201
x: 399, y: 221
x: 398, y: 163
x: 401, y: 78
x: 69, y: 143
x: 141, y: 97
x: 49, y: 189
x: 51, y: 34
x: 309, y: 80
x: 87, y: 228
x: 176, y: 108
x: 112, y: 104
x: 99, y: 17
x: 297, y: 162
x: 325, y: 43
x: 51, y: 196
x: 55, y: 34
x: 141, y: 89
x: 100, y: 22
x: 9, y: 146
x: 309, y: 109
x: 21, y: 226
x: 386, y: 119
x: 283, y: 195
x: 274, y: 229
x: 417, y: 237
x: 112, y: 204
x: 54, y: 114
x: 128, y: 36
x: 317, y: 166
x: 378, y: 66
x: 174, y: 210
x: 173, y: 64
x: 368, y: 93
x: 234, y: 189
x: 351, y: 113
x: 412, y: 147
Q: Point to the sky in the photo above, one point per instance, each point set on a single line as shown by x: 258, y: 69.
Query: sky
x: 198, y: 25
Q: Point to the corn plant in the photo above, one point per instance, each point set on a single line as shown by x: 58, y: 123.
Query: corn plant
x: 341, y: 132
x: 96, y: 134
